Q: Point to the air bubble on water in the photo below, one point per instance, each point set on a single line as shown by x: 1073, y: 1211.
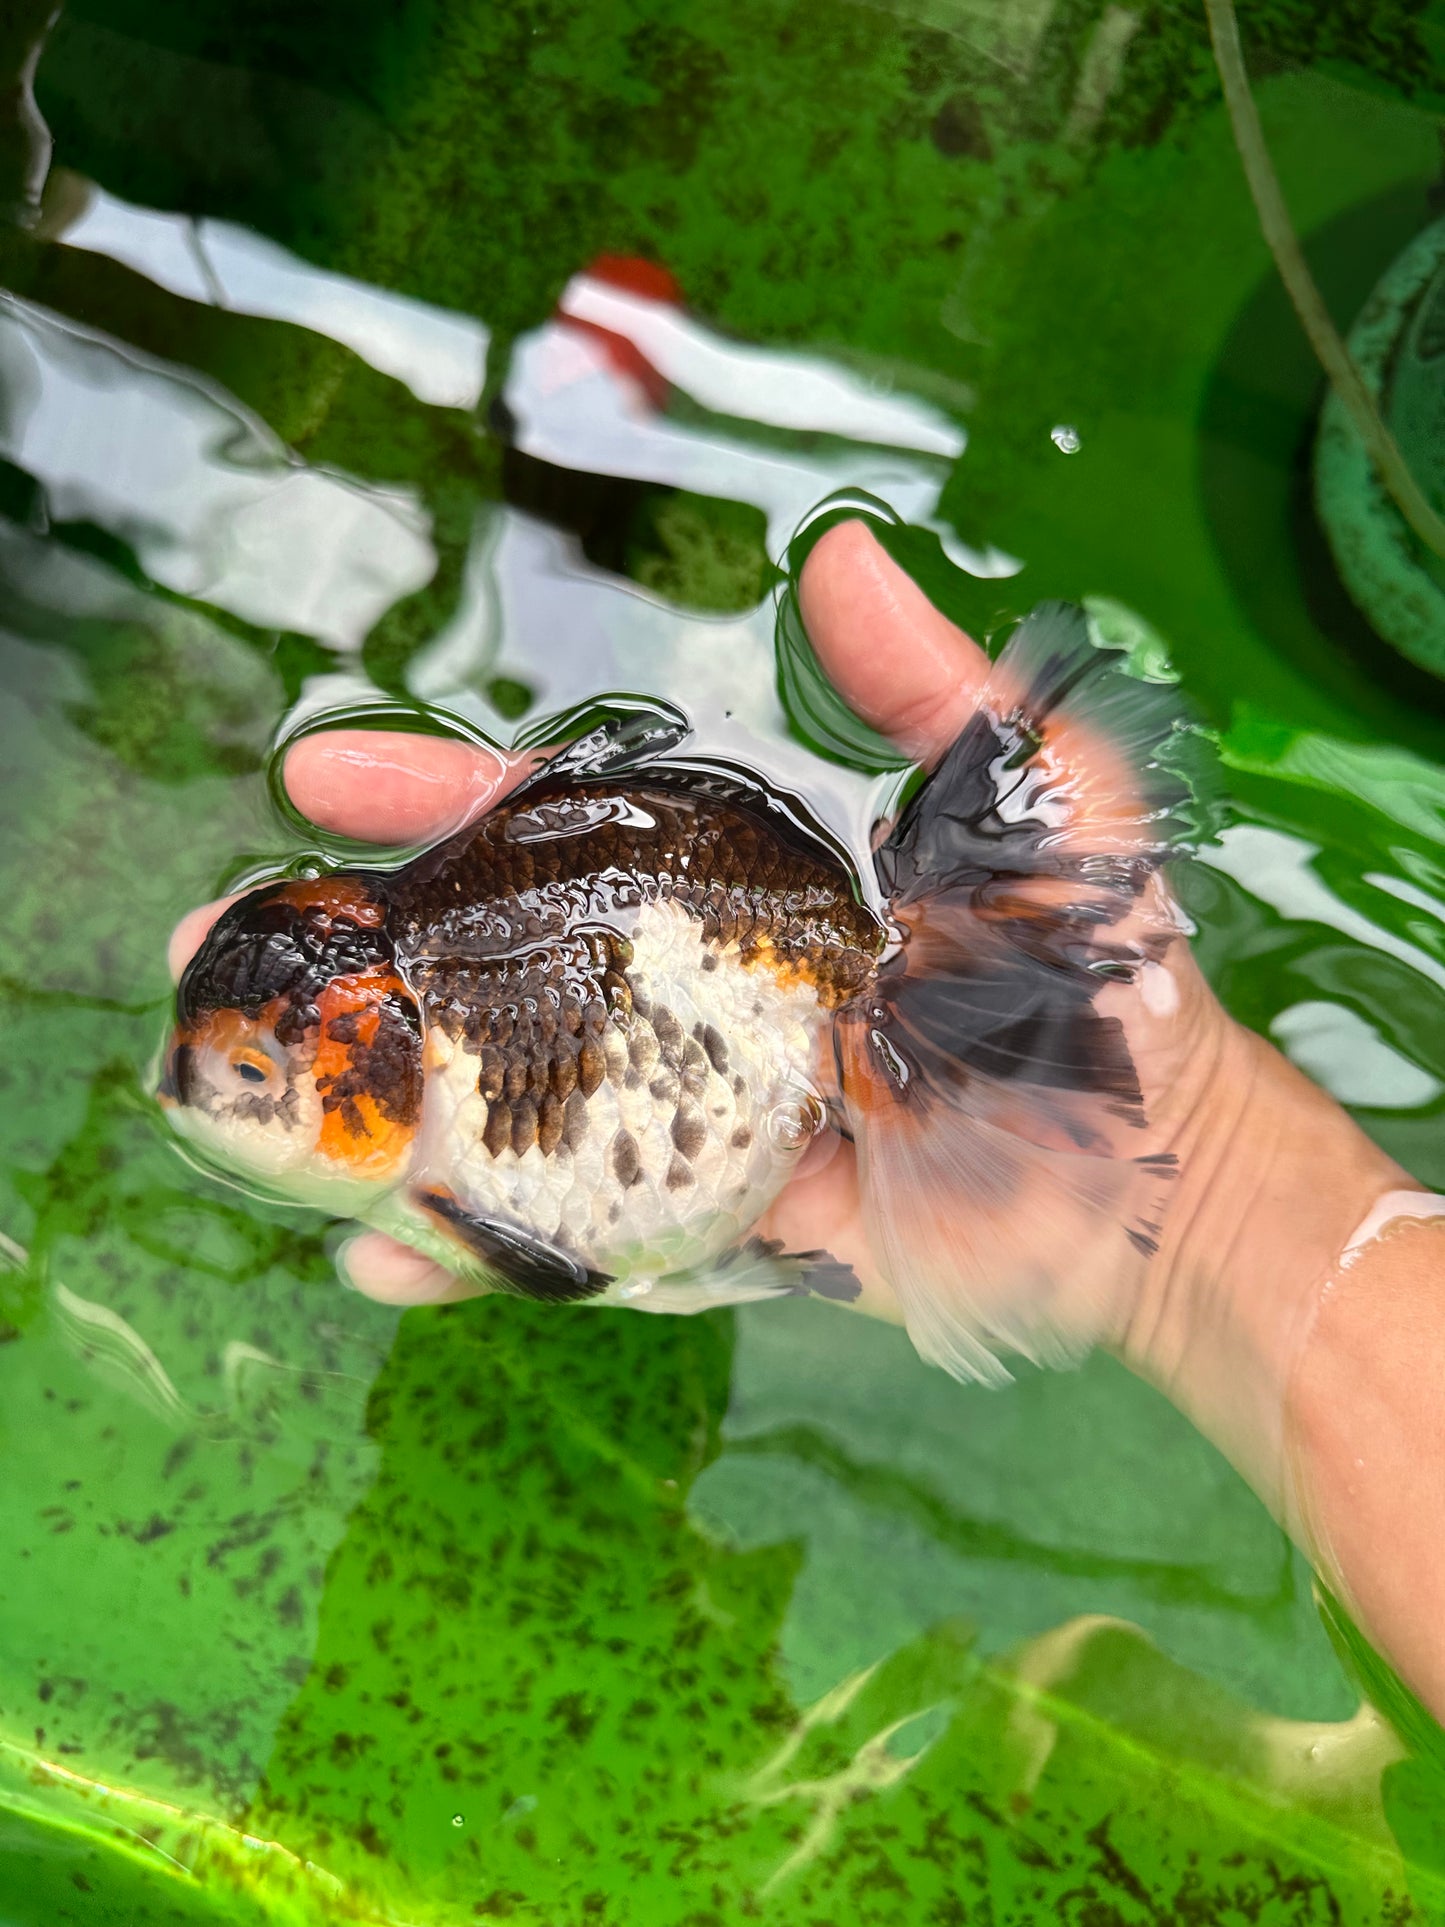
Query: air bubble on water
x: 792, y: 1123
x: 459, y: 1819
x: 1065, y: 438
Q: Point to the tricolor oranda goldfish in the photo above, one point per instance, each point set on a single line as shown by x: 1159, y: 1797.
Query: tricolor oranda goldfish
x: 575, y: 1050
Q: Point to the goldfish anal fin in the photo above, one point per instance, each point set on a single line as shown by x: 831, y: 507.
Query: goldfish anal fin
x: 757, y: 1268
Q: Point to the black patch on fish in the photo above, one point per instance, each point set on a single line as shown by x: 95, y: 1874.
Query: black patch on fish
x: 387, y: 1070
x: 574, y: 1121
x: 562, y: 862
x: 622, y: 740
x: 626, y: 1159
x: 798, y: 1273
x: 643, y: 1049
x: 525, y: 1266
x: 715, y: 1045
x: 177, y: 1081
x: 694, y: 1068
x: 829, y: 1277
x: 270, y: 945
x: 1024, y: 1019
x: 670, y: 1036
x: 689, y: 1131
x: 1014, y: 969
x: 524, y: 1125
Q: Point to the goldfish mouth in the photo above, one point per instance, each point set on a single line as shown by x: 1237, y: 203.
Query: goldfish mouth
x: 170, y: 1084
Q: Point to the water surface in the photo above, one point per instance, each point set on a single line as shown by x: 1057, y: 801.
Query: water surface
x: 329, y: 373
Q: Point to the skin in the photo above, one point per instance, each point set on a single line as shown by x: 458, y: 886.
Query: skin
x: 1306, y: 1374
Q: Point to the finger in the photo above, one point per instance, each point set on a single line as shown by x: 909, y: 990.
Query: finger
x: 388, y: 786
x: 894, y: 658
x: 905, y: 668
x: 190, y: 933
x: 393, y: 1274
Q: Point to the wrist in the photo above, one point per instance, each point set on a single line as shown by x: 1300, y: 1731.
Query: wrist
x: 1275, y: 1178
x: 1365, y: 1427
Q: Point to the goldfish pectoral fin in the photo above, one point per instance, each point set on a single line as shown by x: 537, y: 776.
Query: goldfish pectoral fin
x: 756, y: 1269
x: 514, y: 1260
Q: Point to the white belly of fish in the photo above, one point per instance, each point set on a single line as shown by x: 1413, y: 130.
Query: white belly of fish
x: 695, y: 1128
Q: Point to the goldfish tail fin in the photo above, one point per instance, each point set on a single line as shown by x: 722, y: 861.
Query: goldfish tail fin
x: 1002, y: 1136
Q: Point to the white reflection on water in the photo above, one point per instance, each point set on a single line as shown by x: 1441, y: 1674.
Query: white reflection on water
x: 1411, y: 893
x: 576, y: 407
x: 440, y: 355
x: 761, y: 384
x: 201, y: 489
x: 533, y: 607
x: 1346, y: 1054
x: 1276, y: 868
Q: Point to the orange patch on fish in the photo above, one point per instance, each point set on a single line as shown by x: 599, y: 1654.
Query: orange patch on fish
x: 873, y: 1075
x: 355, y: 1130
x: 802, y: 968
x: 335, y: 897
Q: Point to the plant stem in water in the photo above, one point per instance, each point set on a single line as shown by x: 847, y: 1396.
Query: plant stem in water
x: 1324, y: 337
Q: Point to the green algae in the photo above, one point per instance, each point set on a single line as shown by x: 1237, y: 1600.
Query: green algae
x: 593, y: 1587
x: 313, y: 1613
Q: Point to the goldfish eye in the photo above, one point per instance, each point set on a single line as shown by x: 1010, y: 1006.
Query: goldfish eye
x: 253, y: 1065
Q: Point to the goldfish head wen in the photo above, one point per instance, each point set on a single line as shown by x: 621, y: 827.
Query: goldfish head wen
x: 296, y: 1056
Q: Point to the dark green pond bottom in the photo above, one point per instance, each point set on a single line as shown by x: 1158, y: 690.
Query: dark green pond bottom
x: 485, y: 357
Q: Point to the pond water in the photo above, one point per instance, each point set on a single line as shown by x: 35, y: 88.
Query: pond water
x: 486, y: 355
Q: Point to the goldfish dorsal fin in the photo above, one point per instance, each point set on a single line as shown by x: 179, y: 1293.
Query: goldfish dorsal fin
x: 616, y: 735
